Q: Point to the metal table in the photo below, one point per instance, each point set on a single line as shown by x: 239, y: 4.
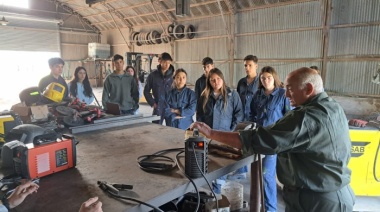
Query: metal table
x: 110, y: 155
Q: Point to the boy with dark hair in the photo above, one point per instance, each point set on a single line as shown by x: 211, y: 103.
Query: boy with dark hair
x: 121, y: 88
x: 159, y: 82
x: 56, y: 67
x: 200, y: 84
x: 247, y: 86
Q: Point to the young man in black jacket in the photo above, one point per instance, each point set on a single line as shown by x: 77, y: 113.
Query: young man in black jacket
x: 159, y: 82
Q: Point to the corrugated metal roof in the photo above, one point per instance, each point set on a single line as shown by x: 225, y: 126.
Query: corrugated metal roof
x: 141, y: 12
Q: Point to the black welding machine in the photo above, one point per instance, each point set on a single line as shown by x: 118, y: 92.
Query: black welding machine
x: 35, y: 152
x: 196, y: 155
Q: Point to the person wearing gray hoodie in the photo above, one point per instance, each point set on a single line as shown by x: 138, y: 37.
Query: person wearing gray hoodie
x: 121, y: 88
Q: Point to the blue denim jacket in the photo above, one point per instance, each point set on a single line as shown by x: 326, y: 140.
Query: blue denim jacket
x: 266, y: 110
x: 183, y: 100
x: 246, y: 93
x: 218, y: 117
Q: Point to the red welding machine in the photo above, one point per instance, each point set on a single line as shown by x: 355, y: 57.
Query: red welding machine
x: 45, y: 157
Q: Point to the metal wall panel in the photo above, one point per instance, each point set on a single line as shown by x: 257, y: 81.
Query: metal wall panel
x: 74, y: 46
x: 352, y: 77
x: 196, y: 50
x: 355, y: 11
x: 195, y: 70
x: 355, y: 41
x: 74, y: 52
x: 282, y: 68
x: 27, y: 33
x: 293, y: 16
x: 302, y: 44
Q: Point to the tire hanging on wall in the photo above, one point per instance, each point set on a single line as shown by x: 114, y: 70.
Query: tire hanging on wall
x: 164, y: 38
x: 190, y: 31
x: 179, y: 31
x: 170, y: 29
x: 133, y: 35
x: 155, y: 37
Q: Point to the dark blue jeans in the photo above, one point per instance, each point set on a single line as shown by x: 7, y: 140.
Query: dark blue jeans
x: 270, y: 185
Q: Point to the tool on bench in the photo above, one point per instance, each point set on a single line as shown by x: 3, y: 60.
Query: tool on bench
x: 114, y: 187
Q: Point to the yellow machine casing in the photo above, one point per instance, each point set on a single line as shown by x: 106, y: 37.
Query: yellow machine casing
x: 365, y: 162
x: 55, y: 92
x: 3, y: 120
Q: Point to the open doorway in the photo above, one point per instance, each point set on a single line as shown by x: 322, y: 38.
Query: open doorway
x: 20, y: 70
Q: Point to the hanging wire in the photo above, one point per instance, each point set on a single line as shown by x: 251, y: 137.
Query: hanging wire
x: 224, y: 21
x: 158, y: 19
x: 129, y: 46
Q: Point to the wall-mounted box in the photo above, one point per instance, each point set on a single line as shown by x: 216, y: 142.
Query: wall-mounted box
x: 99, y: 50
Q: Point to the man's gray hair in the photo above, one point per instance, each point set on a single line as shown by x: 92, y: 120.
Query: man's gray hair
x: 313, y: 78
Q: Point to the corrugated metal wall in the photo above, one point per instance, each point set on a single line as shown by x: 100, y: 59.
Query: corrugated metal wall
x: 286, y: 37
x: 354, y: 47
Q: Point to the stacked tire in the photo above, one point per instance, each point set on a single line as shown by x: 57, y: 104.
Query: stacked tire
x: 172, y: 32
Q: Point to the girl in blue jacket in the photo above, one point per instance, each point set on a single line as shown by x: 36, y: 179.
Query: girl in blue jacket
x: 180, y: 102
x: 269, y: 104
x: 220, y: 108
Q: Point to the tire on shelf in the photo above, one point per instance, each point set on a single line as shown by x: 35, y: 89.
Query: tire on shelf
x: 190, y: 31
x: 179, y: 31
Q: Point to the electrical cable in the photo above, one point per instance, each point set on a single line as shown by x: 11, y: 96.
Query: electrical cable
x: 375, y: 162
x: 191, y: 180
x: 208, y: 183
x: 149, y: 162
x: 131, y: 199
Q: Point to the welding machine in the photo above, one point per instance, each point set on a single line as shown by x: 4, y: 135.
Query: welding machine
x: 8, y: 120
x: 45, y: 156
x: 196, y: 155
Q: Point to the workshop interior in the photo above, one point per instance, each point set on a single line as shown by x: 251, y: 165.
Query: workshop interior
x: 134, y: 161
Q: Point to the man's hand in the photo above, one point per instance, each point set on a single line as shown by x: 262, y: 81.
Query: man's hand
x: 202, y: 128
x: 91, y: 205
x: 154, y: 105
x: 357, y: 123
x: 22, y: 191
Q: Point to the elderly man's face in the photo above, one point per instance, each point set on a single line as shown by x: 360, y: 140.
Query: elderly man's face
x: 297, y: 95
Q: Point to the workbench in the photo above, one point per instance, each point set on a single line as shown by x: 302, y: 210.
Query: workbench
x: 110, y: 155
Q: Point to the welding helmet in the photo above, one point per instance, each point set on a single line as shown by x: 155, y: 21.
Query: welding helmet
x: 30, y: 96
x: 55, y: 92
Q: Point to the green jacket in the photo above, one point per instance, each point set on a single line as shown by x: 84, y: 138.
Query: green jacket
x: 121, y: 89
x: 312, y: 142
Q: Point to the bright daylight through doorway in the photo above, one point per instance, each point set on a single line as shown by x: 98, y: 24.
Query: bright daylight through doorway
x: 20, y: 70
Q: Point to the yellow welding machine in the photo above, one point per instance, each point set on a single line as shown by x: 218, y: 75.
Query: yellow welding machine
x: 365, y: 162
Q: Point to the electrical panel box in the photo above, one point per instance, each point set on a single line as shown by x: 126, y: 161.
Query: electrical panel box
x: 99, y: 50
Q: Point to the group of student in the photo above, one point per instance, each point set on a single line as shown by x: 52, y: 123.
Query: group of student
x: 259, y: 98
x: 78, y: 87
